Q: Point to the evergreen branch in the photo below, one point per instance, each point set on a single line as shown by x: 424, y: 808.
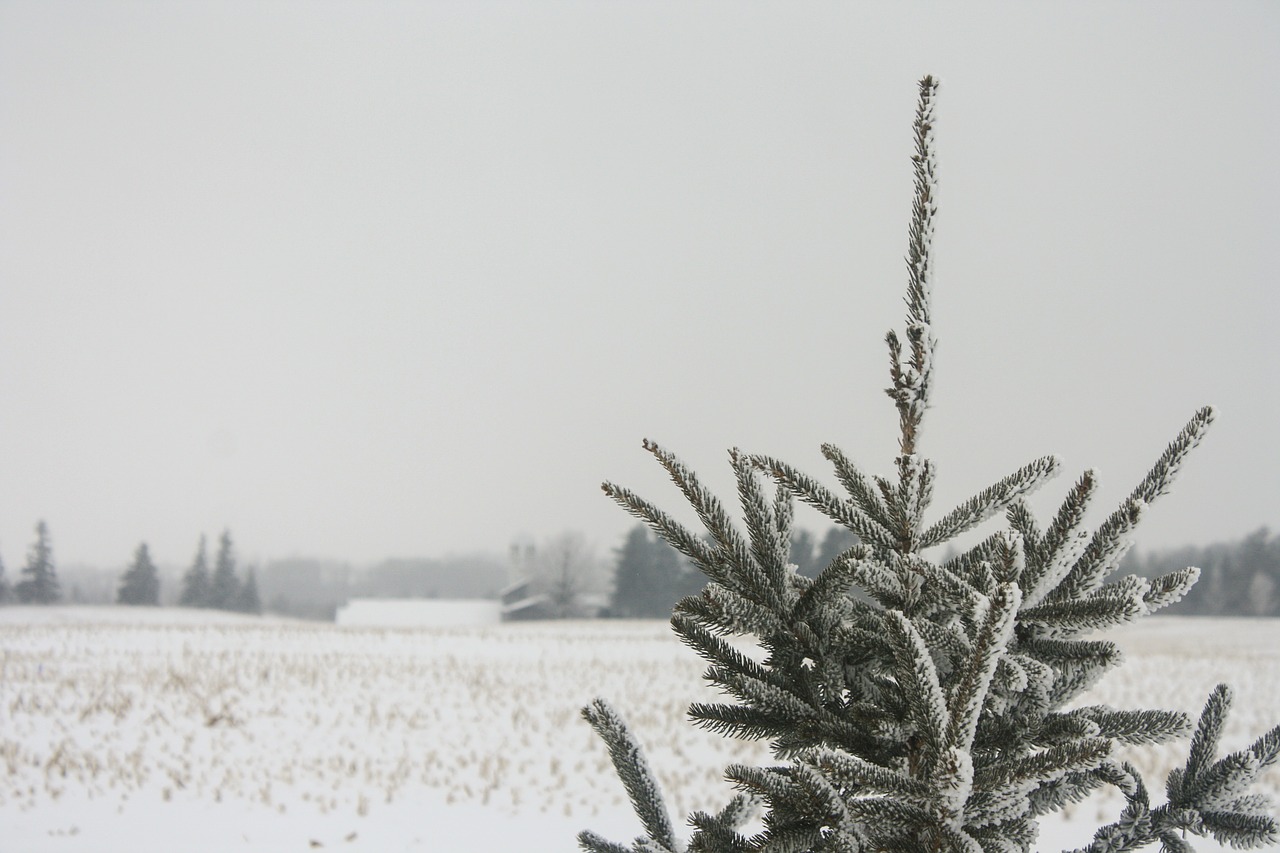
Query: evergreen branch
x: 704, y: 556
x: 737, y: 613
x: 881, y: 583
x: 715, y: 650
x: 911, y: 382
x: 1076, y: 664
x: 1010, y: 558
x: 955, y: 838
x: 718, y: 833
x: 1172, y: 842
x: 952, y: 781
x: 1059, y: 653
x: 1062, y: 545
x: 774, y: 784
x: 1105, y: 550
x: 860, y: 776
x: 967, y: 564
x: 1083, y: 755
x: 1024, y: 523
x: 1053, y: 794
x: 592, y: 843
x: 1162, y: 474
x: 990, y: 500
x: 1138, y: 825
x: 918, y: 679
x: 1073, y: 680
x: 1267, y: 748
x: 1034, y: 700
x: 828, y: 589
x: 1115, y: 604
x: 1012, y: 836
x: 1204, y: 743
x: 826, y: 806
x: 770, y: 547
x: 915, y: 490
x: 1206, y: 784
x: 1109, y: 543
x: 945, y: 642
x: 713, y: 516
x: 988, y: 808
x: 1010, y: 675
x: 1136, y: 727
x: 1169, y: 589
x: 737, y: 812
x: 888, y: 812
x: 706, y: 611
x: 923, y: 207
x: 1057, y: 728
x: 737, y: 721
x: 632, y: 768
x: 1070, y: 515
x: 860, y: 487
x: 774, y: 700
x: 822, y: 499
x: 971, y: 689
x: 1241, y: 830
x: 1221, y: 782
x: 842, y: 840
x: 938, y: 581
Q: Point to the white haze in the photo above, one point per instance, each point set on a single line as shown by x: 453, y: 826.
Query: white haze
x: 370, y: 279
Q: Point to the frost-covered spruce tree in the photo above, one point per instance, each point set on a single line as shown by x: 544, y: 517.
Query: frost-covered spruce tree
x: 941, y: 711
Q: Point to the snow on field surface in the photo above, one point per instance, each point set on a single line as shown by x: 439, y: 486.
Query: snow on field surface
x: 139, y: 730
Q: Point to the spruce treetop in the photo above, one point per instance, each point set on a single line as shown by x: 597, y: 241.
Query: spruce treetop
x: 39, y: 584
x: 941, y: 710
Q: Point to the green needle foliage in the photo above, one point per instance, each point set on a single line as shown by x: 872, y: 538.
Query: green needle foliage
x: 935, y: 711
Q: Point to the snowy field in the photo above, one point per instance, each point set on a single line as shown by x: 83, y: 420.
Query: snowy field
x: 139, y: 731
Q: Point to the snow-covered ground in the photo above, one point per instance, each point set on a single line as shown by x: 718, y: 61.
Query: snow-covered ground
x: 138, y: 730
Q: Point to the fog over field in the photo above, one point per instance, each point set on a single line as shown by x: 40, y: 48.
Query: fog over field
x: 372, y: 280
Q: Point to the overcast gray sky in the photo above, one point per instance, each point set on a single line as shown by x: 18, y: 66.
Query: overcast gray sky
x: 385, y: 279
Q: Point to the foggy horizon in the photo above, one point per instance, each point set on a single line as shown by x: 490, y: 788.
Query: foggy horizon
x: 359, y: 282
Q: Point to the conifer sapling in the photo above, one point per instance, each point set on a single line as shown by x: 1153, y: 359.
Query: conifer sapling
x: 939, y: 711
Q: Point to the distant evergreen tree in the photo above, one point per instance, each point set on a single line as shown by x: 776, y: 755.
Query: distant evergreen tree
x: 650, y: 577
x: 196, y: 583
x: 940, y: 715
x: 810, y: 556
x: 224, y: 586
x: 803, y: 550
x: 247, y: 599
x: 837, y: 541
x: 140, y: 583
x: 39, y: 584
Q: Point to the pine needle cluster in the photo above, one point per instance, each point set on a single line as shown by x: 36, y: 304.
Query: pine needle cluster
x: 940, y: 710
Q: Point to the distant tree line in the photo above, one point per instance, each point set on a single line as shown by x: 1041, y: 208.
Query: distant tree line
x: 1239, y: 578
x: 645, y: 579
x: 140, y: 582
